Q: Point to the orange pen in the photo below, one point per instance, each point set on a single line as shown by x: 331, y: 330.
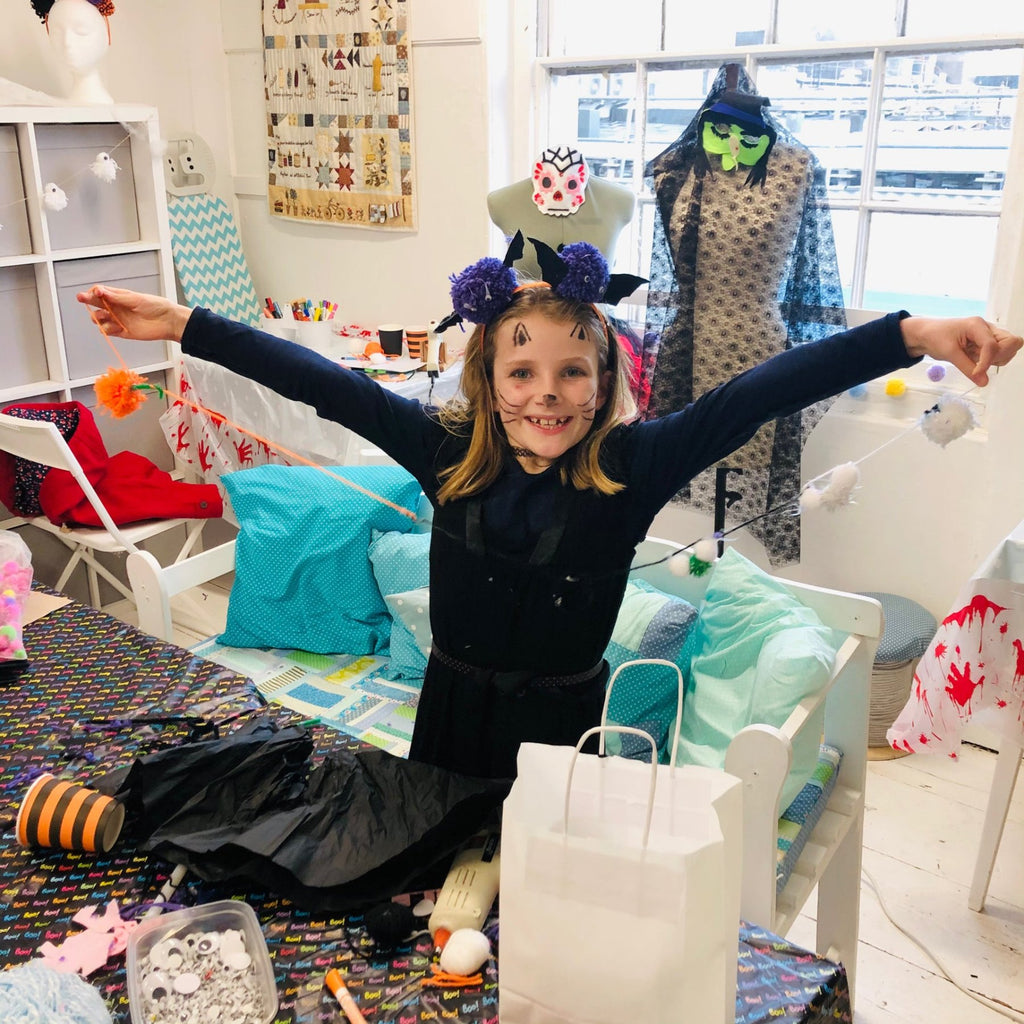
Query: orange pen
x: 336, y: 984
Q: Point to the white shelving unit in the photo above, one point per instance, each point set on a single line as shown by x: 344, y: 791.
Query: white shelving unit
x: 110, y: 232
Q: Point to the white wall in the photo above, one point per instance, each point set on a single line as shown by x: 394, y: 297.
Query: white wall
x: 924, y: 517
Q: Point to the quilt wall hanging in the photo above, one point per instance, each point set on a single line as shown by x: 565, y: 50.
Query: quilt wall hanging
x: 339, y: 123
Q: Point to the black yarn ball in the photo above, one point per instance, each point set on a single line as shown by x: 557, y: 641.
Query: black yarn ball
x: 390, y: 923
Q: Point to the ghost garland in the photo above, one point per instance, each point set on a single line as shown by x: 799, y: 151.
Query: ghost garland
x: 55, y: 198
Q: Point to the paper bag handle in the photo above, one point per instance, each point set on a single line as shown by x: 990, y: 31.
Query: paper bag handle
x: 679, y: 700
x: 629, y: 730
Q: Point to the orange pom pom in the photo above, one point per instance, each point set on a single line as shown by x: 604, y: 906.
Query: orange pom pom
x: 372, y: 348
x: 116, y: 391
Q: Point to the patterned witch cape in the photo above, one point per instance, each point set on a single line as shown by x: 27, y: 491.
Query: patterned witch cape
x: 763, y: 254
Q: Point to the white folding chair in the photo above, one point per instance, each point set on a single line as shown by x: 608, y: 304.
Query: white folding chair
x: 40, y: 441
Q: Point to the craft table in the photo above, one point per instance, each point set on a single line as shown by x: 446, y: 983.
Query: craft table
x: 76, y: 713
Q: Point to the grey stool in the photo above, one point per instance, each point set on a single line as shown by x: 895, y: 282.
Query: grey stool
x: 909, y: 629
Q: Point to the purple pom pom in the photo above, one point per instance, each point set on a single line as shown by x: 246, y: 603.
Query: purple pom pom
x: 936, y: 372
x: 483, y: 290
x: 586, y: 275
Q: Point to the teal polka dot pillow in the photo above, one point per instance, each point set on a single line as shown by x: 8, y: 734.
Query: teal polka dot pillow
x: 303, y: 577
x: 650, y: 624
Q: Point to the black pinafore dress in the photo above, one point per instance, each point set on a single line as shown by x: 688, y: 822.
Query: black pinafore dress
x: 519, y: 638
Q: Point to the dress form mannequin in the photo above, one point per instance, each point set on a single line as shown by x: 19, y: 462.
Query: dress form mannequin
x: 80, y: 37
x: 606, y: 209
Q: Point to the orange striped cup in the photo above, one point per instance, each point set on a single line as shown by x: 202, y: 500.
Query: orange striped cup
x: 58, y: 813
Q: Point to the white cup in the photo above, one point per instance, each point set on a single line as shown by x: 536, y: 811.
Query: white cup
x: 317, y: 335
x: 279, y: 328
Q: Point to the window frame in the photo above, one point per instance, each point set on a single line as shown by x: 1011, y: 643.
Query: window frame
x: 532, y: 71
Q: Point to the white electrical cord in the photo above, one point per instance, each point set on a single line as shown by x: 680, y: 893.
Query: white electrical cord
x: 1005, y: 1011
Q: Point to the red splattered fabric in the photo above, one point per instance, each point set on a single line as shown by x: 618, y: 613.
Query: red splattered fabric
x: 974, y: 666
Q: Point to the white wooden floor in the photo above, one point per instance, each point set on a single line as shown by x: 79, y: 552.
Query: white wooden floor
x: 922, y: 826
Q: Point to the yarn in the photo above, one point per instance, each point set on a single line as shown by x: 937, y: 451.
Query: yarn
x: 390, y: 923
x: 35, y: 994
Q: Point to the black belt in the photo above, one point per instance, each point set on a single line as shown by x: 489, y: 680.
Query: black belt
x: 514, y: 682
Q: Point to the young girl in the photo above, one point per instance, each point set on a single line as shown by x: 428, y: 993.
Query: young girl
x: 541, y: 488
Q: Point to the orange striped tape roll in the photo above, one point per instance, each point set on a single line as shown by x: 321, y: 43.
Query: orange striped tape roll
x: 58, y: 813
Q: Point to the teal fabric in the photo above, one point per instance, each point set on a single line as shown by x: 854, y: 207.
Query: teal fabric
x: 303, y: 577
x: 400, y: 564
x: 650, y: 624
x: 758, y: 653
x: 410, y: 633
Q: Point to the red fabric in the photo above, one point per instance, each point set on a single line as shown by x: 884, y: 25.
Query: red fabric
x: 130, y: 486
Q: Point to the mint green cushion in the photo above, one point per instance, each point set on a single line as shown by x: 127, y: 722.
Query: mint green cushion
x: 758, y: 653
x: 650, y: 624
x: 400, y: 564
x: 303, y: 578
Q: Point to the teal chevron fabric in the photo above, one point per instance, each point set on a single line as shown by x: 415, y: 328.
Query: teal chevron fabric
x: 208, y: 257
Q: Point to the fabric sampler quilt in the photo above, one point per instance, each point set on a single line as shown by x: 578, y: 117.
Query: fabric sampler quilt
x: 339, y: 121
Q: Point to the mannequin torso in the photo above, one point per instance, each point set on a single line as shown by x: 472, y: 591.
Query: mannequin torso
x: 599, y: 220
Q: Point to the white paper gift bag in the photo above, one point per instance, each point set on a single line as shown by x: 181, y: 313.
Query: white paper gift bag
x: 619, y: 890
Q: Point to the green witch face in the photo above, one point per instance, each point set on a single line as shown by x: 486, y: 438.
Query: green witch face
x: 734, y: 131
x: 735, y: 143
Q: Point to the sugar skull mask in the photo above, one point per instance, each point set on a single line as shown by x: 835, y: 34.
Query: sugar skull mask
x: 560, y: 181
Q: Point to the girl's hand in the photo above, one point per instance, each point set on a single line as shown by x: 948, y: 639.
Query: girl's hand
x: 127, y: 314
x: 971, y: 344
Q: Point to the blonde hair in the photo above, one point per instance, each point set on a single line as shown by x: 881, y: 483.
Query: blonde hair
x: 474, y: 410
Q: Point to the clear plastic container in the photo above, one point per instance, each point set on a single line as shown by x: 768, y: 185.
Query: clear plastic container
x: 211, y: 958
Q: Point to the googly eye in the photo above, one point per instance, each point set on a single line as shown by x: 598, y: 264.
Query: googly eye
x: 186, y: 983
x: 168, y: 955
x: 208, y: 944
x: 156, y: 986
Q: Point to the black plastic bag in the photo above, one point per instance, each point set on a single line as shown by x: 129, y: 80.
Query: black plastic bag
x: 357, y: 828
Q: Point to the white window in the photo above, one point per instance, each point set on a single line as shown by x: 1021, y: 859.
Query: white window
x: 908, y: 105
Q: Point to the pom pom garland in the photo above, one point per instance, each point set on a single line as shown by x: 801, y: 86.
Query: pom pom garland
x: 895, y: 387
x: 936, y: 372
x: 951, y: 417
x: 843, y: 479
x: 122, y: 391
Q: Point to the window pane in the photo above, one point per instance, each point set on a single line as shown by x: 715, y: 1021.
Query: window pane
x: 674, y: 95
x: 844, y: 227
x: 824, y: 104
x: 603, y: 27
x: 945, y: 130
x: 595, y: 113
x: 811, y: 21
x: 929, y: 264
x: 738, y: 23
x: 956, y: 18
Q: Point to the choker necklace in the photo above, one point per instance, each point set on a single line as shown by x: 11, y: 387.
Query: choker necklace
x: 523, y: 453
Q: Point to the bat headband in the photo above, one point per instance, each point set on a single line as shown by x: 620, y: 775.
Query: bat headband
x: 577, y: 272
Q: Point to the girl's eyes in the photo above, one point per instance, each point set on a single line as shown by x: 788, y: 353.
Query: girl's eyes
x: 522, y: 373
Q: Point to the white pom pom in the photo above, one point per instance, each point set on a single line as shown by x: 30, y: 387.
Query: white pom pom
x: 54, y: 197
x: 951, y: 417
x: 104, y: 167
x: 679, y: 563
x: 810, y: 499
x: 465, y: 952
x: 706, y: 549
x: 378, y: 357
